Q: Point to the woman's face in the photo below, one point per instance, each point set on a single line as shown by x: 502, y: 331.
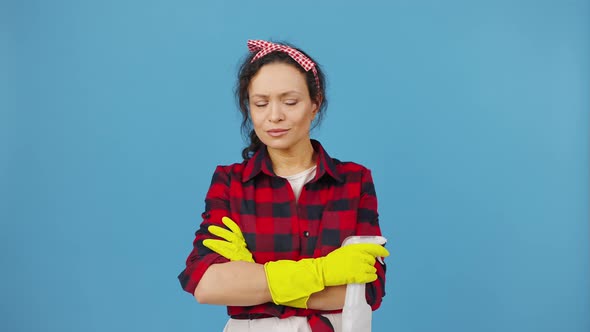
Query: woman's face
x: 280, y: 106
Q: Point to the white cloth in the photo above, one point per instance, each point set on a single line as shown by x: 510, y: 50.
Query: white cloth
x: 297, y: 181
x: 273, y: 324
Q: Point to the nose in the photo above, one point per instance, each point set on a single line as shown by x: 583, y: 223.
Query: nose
x: 275, y: 112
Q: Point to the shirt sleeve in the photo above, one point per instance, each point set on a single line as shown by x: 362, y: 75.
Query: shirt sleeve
x: 201, y: 257
x: 368, y: 224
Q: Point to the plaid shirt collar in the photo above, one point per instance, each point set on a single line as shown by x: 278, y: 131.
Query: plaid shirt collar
x: 260, y: 162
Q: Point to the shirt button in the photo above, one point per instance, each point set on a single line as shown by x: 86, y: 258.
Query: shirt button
x: 306, y: 234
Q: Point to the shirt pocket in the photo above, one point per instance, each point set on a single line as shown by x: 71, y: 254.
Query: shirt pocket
x: 335, y: 226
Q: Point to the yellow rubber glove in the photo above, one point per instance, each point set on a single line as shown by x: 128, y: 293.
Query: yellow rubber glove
x: 292, y: 282
x: 234, y: 248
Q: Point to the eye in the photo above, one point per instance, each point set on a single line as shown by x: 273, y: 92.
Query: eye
x: 291, y: 102
x: 260, y: 104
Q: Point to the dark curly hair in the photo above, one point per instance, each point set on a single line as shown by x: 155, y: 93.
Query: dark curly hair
x: 246, y: 73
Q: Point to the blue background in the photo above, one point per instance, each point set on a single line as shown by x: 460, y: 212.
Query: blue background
x: 473, y: 116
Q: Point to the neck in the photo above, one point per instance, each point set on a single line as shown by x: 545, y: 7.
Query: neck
x: 294, y: 160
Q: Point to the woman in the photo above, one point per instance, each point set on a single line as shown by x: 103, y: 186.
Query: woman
x: 269, y: 244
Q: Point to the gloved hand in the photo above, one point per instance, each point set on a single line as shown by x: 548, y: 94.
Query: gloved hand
x: 292, y: 282
x: 234, y: 248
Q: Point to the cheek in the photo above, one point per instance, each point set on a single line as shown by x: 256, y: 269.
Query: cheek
x: 256, y: 118
x: 257, y: 123
x: 305, y: 119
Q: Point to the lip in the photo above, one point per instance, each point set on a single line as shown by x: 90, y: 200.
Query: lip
x: 277, y: 132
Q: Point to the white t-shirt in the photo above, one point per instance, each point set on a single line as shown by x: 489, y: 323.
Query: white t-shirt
x: 274, y: 324
x: 297, y: 181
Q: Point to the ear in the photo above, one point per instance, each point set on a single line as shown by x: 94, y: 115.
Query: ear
x: 316, y: 105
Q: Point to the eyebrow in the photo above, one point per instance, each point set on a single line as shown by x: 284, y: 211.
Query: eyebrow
x: 280, y: 95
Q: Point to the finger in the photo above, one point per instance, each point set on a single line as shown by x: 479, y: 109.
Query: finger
x: 245, y: 256
x: 222, y: 233
x: 370, y: 269
x: 233, y: 226
x: 364, y: 278
x: 370, y: 278
x: 363, y: 258
x: 223, y: 248
x: 219, y: 246
x: 375, y: 250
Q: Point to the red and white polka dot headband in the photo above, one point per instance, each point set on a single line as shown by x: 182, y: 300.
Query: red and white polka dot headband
x: 264, y: 47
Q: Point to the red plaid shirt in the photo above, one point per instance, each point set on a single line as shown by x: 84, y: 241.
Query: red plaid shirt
x: 338, y: 202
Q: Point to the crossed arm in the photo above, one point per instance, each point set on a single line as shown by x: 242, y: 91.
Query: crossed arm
x: 241, y: 282
x: 225, y: 284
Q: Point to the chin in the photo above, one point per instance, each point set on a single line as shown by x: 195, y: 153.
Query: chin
x: 282, y: 143
x: 278, y: 145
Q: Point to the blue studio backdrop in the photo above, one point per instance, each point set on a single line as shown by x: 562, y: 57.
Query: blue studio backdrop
x: 472, y: 115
